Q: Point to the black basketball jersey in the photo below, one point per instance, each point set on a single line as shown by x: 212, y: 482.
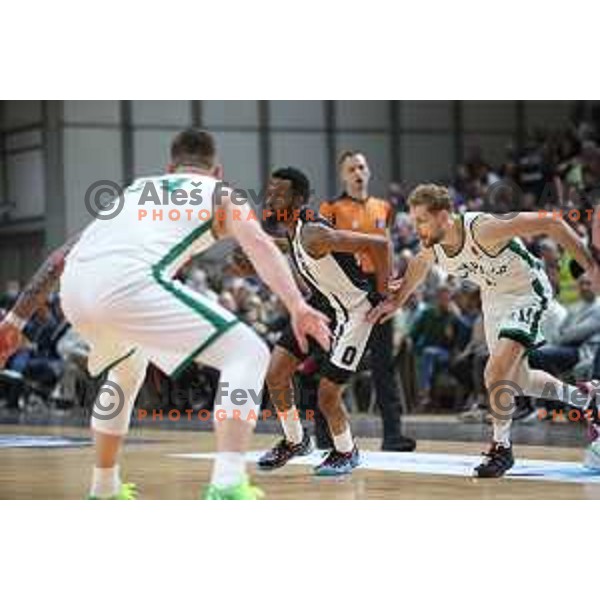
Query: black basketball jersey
x: 336, y: 277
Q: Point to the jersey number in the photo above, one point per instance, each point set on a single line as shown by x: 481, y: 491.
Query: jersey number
x: 524, y: 315
x: 349, y: 355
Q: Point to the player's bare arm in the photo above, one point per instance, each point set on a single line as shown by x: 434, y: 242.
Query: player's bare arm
x: 493, y: 234
x: 44, y: 281
x: 401, y: 290
x: 320, y: 240
x: 272, y: 267
x: 241, y: 265
x: 416, y: 272
x: 595, y: 234
x: 31, y: 299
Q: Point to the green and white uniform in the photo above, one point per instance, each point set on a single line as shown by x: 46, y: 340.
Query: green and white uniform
x: 515, y: 290
x: 118, y: 287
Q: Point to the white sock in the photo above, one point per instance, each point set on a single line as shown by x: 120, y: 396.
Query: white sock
x: 344, y: 442
x: 292, y: 427
x: 105, y: 482
x: 229, y: 469
x: 502, y: 431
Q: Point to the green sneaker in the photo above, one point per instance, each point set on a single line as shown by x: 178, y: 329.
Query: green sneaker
x: 128, y: 491
x: 241, y: 491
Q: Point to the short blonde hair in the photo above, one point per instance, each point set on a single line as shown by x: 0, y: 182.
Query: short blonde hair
x: 433, y: 197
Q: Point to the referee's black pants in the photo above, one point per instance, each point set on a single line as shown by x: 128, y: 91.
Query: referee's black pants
x: 385, y: 382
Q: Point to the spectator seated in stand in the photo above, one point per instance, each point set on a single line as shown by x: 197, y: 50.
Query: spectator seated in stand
x: 577, y: 340
x: 436, y: 336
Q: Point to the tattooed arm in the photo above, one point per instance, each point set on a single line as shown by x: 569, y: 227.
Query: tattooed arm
x: 43, y: 282
x: 31, y: 299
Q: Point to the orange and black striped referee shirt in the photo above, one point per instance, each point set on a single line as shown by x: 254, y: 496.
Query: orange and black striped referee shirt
x: 373, y: 215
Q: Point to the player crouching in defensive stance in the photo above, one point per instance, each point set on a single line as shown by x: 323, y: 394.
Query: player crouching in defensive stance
x: 118, y: 290
x: 324, y: 258
x: 515, y: 292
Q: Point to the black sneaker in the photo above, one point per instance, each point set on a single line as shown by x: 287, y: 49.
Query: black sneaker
x: 497, y: 461
x: 283, y: 451
x: 399, y: 444
x: 338, y: 463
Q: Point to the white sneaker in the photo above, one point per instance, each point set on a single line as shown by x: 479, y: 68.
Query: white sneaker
x: 473, y: 415
x: 591, y: 458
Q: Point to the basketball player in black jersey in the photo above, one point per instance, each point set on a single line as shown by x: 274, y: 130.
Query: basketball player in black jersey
x: 324, y: 258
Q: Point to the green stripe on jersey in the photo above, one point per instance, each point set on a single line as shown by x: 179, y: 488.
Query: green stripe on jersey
x: 158, y: 272
x: 178, y: 291
x: 517, y: 248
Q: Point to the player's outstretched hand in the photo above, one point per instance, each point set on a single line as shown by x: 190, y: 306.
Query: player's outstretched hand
x: 382, y: 312
x: 394, y: 285
x: 10, y: 341
x: 306, y: 321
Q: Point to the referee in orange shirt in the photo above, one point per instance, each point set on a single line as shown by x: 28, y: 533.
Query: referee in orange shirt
x: 356, y: 210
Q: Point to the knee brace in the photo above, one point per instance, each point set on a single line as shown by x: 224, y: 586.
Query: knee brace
x: 243, y: 358
x: 111, y: 413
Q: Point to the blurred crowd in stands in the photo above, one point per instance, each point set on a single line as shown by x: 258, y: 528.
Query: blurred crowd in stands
x: 439, y: 336
x: 439, y: 344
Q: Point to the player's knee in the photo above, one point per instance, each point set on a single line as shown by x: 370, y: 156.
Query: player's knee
x: 111, y: 413
x: 522, y: 375
x: 498, y: 369
x: 253, y: 349
x: 490, y: 374
x: 242, y: 377
x: 263, y: 356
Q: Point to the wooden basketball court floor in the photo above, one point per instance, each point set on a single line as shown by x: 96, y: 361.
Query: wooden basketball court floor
x: 176, y: 465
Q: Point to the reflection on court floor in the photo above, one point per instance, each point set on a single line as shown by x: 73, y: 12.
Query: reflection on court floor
x: 42, y: 441
x: 448, y: 464
x: 55, y: 462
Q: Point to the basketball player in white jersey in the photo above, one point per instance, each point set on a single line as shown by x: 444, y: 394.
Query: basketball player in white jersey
x: 325, y: 259
x: 515, y: 293
x: 118, y: 290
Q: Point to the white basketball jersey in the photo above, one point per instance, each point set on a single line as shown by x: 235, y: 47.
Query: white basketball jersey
x: 514, y: 270
x: 335, y: 276
x: 164, y: 221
